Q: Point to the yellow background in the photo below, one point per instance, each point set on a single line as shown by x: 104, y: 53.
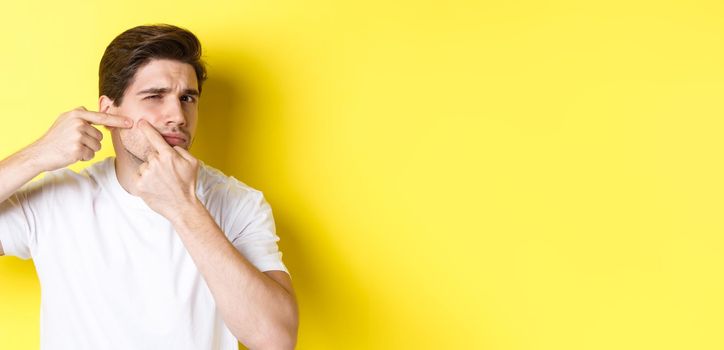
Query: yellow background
x: 444, y: 175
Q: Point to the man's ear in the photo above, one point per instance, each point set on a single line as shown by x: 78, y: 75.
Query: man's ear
x: 105, y: 104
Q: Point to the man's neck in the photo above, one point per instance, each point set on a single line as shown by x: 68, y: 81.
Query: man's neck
x: 126, y: 169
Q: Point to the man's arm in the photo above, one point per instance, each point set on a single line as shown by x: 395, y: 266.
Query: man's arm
x: 15, y: 171
x: 259, y: 309
x: 70, y: 139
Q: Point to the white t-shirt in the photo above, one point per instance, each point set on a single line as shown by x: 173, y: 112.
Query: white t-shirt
x: 114, y: 274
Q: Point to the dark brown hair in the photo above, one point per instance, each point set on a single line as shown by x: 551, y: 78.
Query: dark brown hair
x: 135, y: 47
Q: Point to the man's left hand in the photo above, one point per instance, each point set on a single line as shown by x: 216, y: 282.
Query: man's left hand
x: 167, y: 180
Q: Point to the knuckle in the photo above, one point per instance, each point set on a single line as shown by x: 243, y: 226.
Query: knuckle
x: 65, y: 116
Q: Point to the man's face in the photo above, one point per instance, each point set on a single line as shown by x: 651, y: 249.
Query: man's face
x: 165, y: 93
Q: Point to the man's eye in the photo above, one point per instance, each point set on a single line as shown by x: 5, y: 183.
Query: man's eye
x: 188, y: 98
x: 153, y: 97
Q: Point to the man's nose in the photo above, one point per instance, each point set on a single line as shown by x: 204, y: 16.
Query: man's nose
x: 174, y: 113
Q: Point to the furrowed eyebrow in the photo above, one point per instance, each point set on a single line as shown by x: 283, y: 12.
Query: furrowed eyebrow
x: 154, y: 91
x: 192, y: 92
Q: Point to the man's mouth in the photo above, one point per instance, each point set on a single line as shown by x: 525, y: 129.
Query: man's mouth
x: 175, y: 140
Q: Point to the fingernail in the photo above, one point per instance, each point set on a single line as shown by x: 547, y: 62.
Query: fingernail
x: 129, y: 122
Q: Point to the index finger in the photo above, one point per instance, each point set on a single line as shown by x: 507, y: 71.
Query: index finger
x: 100, y: 118
x: 153, y: 136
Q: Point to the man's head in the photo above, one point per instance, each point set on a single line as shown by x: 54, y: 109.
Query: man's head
x: 153, y: 73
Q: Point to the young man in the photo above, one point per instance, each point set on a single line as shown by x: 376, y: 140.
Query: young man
x: 151, y: 249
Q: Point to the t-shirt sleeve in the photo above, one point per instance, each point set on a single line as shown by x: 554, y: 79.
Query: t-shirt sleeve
x: 257, y: 240
x: 18, y: 220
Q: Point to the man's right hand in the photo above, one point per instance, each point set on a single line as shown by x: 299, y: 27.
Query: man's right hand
x: 73, y: 138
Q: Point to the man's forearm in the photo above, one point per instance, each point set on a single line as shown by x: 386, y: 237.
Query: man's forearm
x: 70, y: 139
x: 17, y: 170
x: 257, y: 309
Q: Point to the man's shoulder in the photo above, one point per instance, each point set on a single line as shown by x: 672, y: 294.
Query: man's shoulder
x: 213, y: 183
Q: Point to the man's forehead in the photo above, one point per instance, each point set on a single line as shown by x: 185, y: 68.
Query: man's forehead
x: 165, y: 74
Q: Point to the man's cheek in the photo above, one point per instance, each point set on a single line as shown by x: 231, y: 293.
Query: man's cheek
x: 135, y: 142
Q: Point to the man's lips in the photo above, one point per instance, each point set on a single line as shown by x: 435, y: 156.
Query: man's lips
x: 174, y: 139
